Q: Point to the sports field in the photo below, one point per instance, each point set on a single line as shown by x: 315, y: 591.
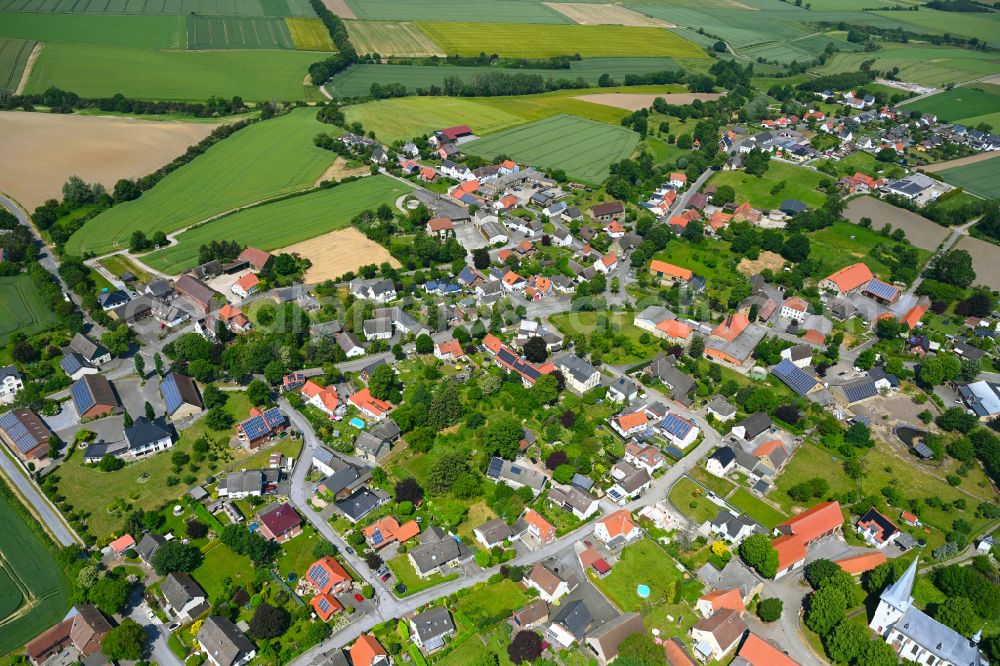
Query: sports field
x: 309, y: 34
x: 982, y: 178
x: 584, y: 149
x: 101, y: 71
x: 357, y: 80
x: 33, y: 591
x: 495, y: 11
x: 284, y: 222
x: 264, y: 160
x: 400, y: 38
x: 405, y: 117
x: 968, y: 105
x: 926, y: 65
x: 539, y: 41
x: 238, y: 32
x: 13, y: 58
x: 21, y: 308
x: 800, y: 183
x: 175, y: 7
x: 149, y: 32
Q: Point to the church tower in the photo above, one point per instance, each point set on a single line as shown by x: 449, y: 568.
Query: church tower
x: 894, y: 601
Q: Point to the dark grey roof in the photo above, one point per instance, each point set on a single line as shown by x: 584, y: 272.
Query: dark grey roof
x: 86, y: 347
x: 794, y: 377
x: 720, y: 405
x: 428, y: 556
x: 433, y: 623
x: 148, y: 545
x: 575, y: 617
x: 723, y: 455
x: 361, y: 503
x: 754, y: 424
x: 860, y: 389
x: 223, y: 640
x: 386, y: 430
x: 180, y: 588
x: 144, y: 433
x: 576, y: 366
x: 244, y: 481
x: 494, y: 531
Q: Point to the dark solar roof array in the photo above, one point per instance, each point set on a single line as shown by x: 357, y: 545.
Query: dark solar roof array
x: 178, y: 390
x: 496, y: 466
x: 257, y: 427
x: 794, y: 377
x: 860, y: 390
x: 676, y: 426
x: 319, y: 575
x: 880, y: 289
x: 24, y: 429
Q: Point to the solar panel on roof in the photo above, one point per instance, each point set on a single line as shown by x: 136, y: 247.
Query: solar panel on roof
x: 880, y: 289
x: 323, y: 604
x: 377, y: 537
x: 82, y: 398
x: 860, y: 391
x: 794, y: 377
x: 171, y: 394
x: 515, y: 470
x: 676, y: 426
x: 496, y: 466
x: 319, y: 575
x: 18, y: 433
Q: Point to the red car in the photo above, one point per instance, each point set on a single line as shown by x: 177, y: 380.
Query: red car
x: 359, y: 598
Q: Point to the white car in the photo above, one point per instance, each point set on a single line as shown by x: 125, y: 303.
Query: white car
x: 151, y: 615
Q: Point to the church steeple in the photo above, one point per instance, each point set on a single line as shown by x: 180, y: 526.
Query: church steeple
x: 898, y: 595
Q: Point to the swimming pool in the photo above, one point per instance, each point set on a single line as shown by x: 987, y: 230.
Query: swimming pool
x: 357, y: 423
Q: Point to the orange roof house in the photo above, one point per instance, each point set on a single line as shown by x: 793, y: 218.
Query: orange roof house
x: 627, y: 422
x: 451, y: 349
x: 609, y: 260
x: 369, y: 404
x: 759, y: 652
x: 492, y: 343
x: 847, y: 279
x: 678, y: 177
x: 327, y: 398
x: 745, y: 213
x: 719, y: 220
x: 674, y: 329
x: 730, y: 328
x: 912, y: 318
x: 719, y: 599
x: 676, y: 654
x: 367, y: 651
x: 679, y: 221
x: 248, y: 283
x: 767, y: 448
x: 326, y: 606
x: 666, y: 271
x: 122, y: 543
x: 615, y: 227
x: 504, y: 255
x: 439, y: 224
x: 327, y: 574
x: 814, y: 336
x: 618, y: 525
x: 233, y: 318
x: 799, y: 531
x: 256, y: 258
x: 858, y: 564
x: 541, y: 528
x: 385, y: 531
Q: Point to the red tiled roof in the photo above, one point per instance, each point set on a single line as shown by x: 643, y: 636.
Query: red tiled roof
x: 248, y: 282
x: 851, y: 277
x: 674, y: 328
x: 453, y: 133
x: 122, y: 543
x: 440, y: 223
x: 257, y: 258
x: 663, y: 268
x: 759, y: 652
x: 492, y: 343
x: 768, y: 447
x: 675, y: 653
x: 452, y: 348
x: 365, y: 401
x: 619, y: 523
x: 366, y: 649
x: 814, y: 522
x: 730, y: 328
x: 610, y: 259
x: 814, y: 336
x: 791, y: 549
x: 859, y: 564
x: 730, y: 598
x: 912, y: 318
x: 332, y: 606
x: 544, y: 527
x: 796, y: 303
x: 628, y: 421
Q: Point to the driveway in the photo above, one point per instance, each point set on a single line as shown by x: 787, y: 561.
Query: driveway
x: 156, y: 633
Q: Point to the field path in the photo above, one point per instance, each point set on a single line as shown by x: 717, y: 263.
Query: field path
x: 961, y: 161
x: 36, y: 502
x: 32, y: 57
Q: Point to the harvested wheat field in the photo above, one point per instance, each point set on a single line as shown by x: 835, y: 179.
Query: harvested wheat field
x: 920, y: 231
x: 42, y: 150
x: 585, y: 13
x: 340, y: 170
x: 340, y: 8
x: 766, y: 259
x: 961, y: 161
x: 636, y: 101
x: 339, y: 252
x: 984, y: 260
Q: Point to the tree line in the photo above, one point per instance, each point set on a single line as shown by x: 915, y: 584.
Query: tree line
x: 63, y: 101
x: 324, y: 70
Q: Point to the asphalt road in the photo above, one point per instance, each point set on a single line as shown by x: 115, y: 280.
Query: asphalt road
x: 49, y: 515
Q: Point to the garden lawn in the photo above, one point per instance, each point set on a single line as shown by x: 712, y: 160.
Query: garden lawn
x: 540, y: 41
x: 270, y: 227
x: 92, y: 70
x: 266, y: 159
x: 982, y: 178
x: 800, y: 183
x: 478, y: 644
x: 686, y: 491
x: 644, y: 563
x: 405, y: 117
x: 844, y: 243
x: 584, y: 149
x: 90, y: 490
x: 761, y: 511
x: 21, y: 308
x: 119, y: 264
x: 573, y: 323
x: 502, y: 598
x: 219, y: 563
x: 407, y: 575
x: 297, y: 554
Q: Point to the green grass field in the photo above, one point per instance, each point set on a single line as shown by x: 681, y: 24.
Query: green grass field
x: 147, y: 32
x: 314, y: 214
x: 399, y: 38
x: 13, y: 58
x: 926, y: 65
x: 982, y: 178
x: 264, y: 160
x: 238, y: 32
x: 843, y: 243
x: 405, y: 117
x: 761, y: 511
x: 800, y: 184
x: 984, y: 26
x: 309, y: 34
x: 523, y: 11
x: 175, y: 7
x: 357, y: 80
x: 583, y: 148
x: 404, y: 572
x: 802, y: 49
x: 968, y: 105
x: 642, y: 563
x: 539, y: 41
x: 21, y: 308
x: 101, y: 71
x: 28, y: 570
x: 686, y: 493
x: 220, y: 563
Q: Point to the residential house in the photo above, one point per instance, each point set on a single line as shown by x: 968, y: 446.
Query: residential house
x: 534, y: 614
x: 180, y: 396
x: 430, y: 627
x: 437, y: 549
x: 752, y: 426
x: 721, y: 409
x: 715, y: 636
x: 756, y: 651
x: 669, y: 273
x: 10, y: 384
x: 367, y: 651
x: 83, y: 356
x: 982, y: 397
x: 280, y: 522
x: 877, y: 530
x: 246, y: 285
x: 649, y: 458
x: 516, y: 475
x: 234, y: 319
x: 261, y: 427
x: 605, y: 641
x: 25, y: 434
x: 630, y: 482
x: 441, y: 227
x: 680, y: 431
x: 604, y: 212
x: 148, y: 545
x: 449, y: 351
x: 258, y: 259
x: 185, y: 598
x: 88, y: 629
x: 493, y: 533
x: 111, y: 300
x: 581, y: 504
x: 324, y: 399
x: 223, y: 643
x: 242, y: 483
x: 328, y: 576
x: 387, y: 530
x: 708, y: 604
x: 550, y: 585
x: 617, y: 529
x: 540, y: 529
x: 859, y: 564
x: 580, y: 376
x: 375, y: 443
x: 369, y: 405
x: 794, y: 308
x: 721, y: 462
x: 570, y: 624
x: 350, y: 344
x: 797, y: 379
x: 847, y: 280
x: 94, y: 397
x: 733, y: 527
x: 379, y: 290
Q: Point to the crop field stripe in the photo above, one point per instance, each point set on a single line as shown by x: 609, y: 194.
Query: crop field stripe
x: 21, y: 308
x: 246, y: 8
x: 315, y: 214
x: 981, y: 178
x: 13, y: 59
x: 531, y: 40
x: 487, y: 11
x: 309, y: 34
x: 264, y: 160
x: 959, y: 104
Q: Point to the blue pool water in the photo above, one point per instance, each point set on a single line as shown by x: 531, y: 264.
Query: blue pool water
x: 642, y: 590
x: 357, y: 423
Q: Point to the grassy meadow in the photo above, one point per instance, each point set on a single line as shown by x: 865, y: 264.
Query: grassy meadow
x: 263, y: 160
x: 399, y: 38
x: 923, y: 64
x: 800, y: 183
x: 540, y: 41
x: 982, y: 178
x: 267, y: 226
x: 238, y: 32
x: 309, y: 34
x: 404, y: 117
x: 584, y: 149
x: 492, y: 11
x: 150, y: 32
x: 178, y: 7
x: 21, y: 308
